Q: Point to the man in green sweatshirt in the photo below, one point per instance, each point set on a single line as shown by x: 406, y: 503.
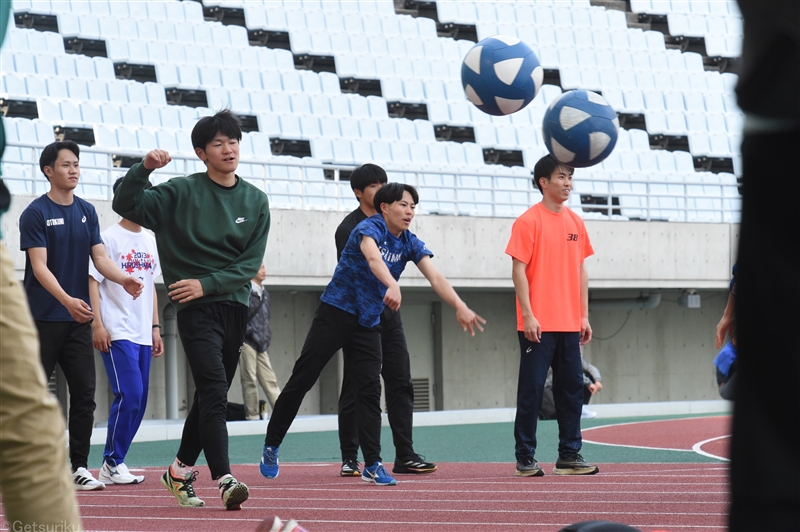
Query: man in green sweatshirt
x: 211, y: 231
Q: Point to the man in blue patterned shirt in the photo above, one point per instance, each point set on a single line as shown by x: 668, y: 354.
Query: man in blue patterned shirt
x: 348, y: 315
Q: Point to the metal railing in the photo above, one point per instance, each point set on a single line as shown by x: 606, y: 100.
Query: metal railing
x: 293, y: 183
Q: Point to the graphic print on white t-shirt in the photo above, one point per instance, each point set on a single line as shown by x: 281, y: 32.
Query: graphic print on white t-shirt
x: 137, y: 262
x: 135, y: 254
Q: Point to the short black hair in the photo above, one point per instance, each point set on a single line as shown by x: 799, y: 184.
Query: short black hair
x: 545, y: 168
x: 50, y: 153
x: 366, y: 175
x: 118, y: 181
x: 392, y: 192
x: 225, y: 122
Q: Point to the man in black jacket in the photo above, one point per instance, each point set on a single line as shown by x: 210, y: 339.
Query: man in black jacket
x: 254, y: 364
x: 366, y: 180
x: 765, y: 495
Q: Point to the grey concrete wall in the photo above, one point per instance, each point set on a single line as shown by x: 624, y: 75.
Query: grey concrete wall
x: 659, y: 355
x: 663, y: 354
x: 470, y: 250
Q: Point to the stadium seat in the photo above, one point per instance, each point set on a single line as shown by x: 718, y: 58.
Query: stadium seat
x: 12, y: 84
x: 329, y: 127
x: 696, y: 122
x: 392, y: 89
x: 56, y: 88
x: 634, y: 100
x: 676, y: 123
x: 719, y: 145
x: 250, y: 79
x: 699, y: 144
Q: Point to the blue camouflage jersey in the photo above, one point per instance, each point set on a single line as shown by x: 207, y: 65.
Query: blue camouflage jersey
x: 354, y: 288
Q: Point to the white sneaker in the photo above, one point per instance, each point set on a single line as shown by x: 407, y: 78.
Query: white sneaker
x: 118, y: 475
x: 84, y: 481
x: 586, y: 413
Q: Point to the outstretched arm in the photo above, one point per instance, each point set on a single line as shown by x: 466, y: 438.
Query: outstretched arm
x: 466, y: 317
x: 369, y: 248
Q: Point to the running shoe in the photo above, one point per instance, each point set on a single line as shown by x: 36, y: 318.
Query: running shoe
x: 182, y: 488
x: 377, y: 473
x: 118, y: 474
x: 269, y: 462
x: 527, y: 467
x: 413, y: 465
x: 574, y: 464
x: 84, y: 481
x: 234, y: 493
x: 350, y: 468
x: 587, y: 414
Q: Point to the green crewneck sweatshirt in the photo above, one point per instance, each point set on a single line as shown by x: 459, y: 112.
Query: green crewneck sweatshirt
x: 203, y: 231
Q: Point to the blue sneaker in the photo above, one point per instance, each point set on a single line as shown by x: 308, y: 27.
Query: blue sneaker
x: 269, y: 462
x: 377, y: 473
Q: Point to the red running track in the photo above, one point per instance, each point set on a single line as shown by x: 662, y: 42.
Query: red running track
x: 459, y: 497
x: 709, y: 436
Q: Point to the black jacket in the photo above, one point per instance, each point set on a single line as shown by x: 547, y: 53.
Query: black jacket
x: 258, y: 334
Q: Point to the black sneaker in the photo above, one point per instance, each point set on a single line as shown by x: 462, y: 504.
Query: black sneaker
x: 350, y: 468
x: 527, y: 467
x: 413, y: 465
x: 574, y: 464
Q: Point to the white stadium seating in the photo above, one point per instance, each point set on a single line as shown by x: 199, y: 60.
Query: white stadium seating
x: 592, y: 47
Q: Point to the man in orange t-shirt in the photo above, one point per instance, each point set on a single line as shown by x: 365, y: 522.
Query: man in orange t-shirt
x: 548, y: 245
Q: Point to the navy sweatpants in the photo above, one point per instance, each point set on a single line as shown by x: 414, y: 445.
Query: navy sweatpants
x: 128, y: 368
x: 562, y: 351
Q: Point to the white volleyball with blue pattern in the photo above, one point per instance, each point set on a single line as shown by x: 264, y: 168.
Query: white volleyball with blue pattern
x: 501, y: 75
x: 580, y: 128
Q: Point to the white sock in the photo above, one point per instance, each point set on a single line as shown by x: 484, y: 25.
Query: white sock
x: 179, y: 469
x: 221, y: 480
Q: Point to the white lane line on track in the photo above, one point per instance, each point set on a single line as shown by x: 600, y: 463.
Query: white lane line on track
x: 698, y: 448
x: 634, y: 446
x: 546, y: 511
x: 693, y: 449
x: 385, y: 502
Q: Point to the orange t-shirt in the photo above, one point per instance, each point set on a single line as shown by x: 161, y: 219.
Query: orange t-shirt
x: 553, y: 245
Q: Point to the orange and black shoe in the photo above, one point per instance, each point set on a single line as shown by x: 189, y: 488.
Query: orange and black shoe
x: 182, y: 488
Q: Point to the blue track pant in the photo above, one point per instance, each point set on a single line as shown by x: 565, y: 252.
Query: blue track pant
x: 128, y: 368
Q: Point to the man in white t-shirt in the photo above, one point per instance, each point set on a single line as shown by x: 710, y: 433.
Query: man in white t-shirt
x: 127, y: 334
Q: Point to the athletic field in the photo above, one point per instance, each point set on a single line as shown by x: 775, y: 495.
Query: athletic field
x: 656, y: 473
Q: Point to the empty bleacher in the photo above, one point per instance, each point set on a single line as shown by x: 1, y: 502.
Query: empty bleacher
x: 590, y: 46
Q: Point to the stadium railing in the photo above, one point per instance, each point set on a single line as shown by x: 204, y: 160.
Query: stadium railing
x: 293, y: 183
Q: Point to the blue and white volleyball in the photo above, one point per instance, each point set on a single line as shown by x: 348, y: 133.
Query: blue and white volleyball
x: 501, y: 75
x: 580, y: 128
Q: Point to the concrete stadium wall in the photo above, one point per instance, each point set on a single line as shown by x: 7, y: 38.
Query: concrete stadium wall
x: 662, y: 354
